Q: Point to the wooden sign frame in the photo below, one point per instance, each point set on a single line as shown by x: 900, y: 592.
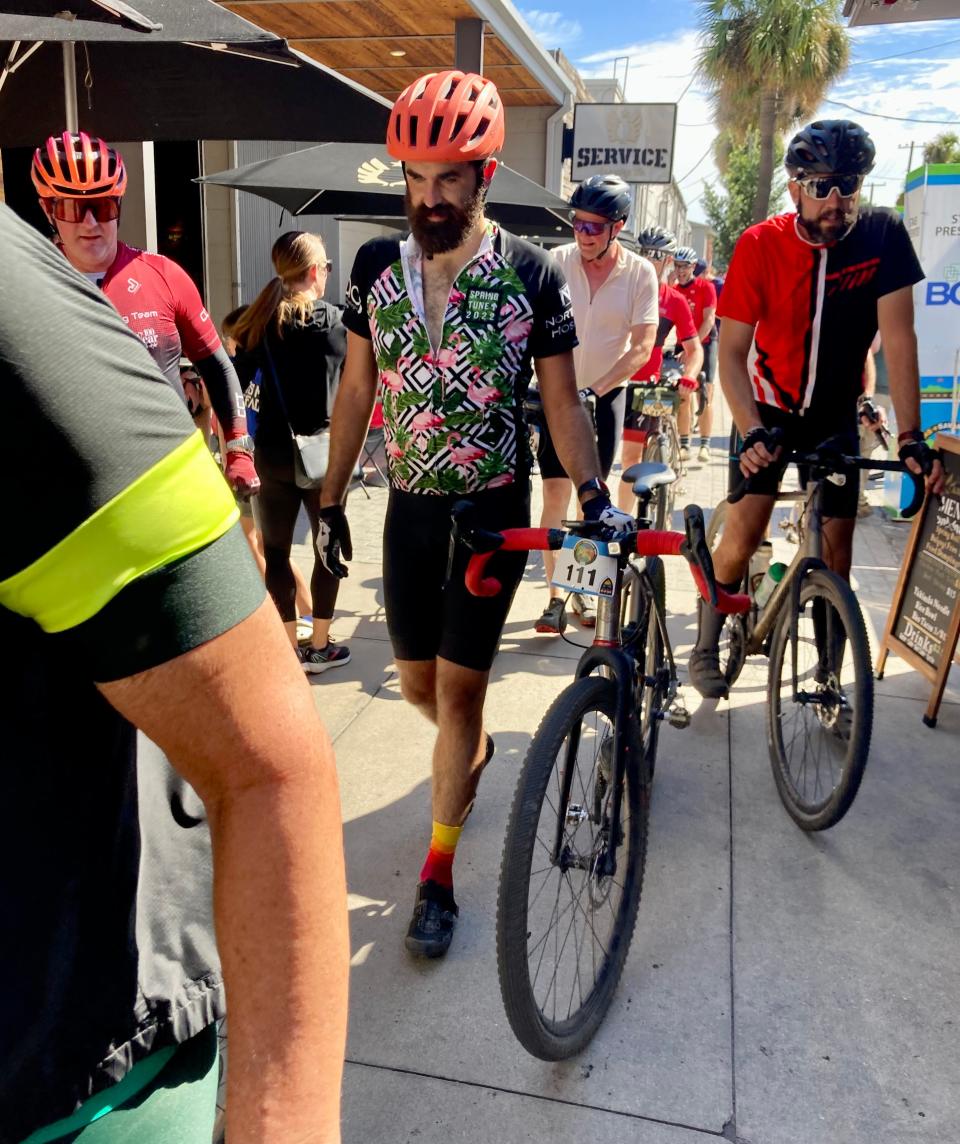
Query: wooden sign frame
x: 936, y: 675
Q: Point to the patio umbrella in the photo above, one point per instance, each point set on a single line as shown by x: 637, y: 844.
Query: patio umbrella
x: 166, y: 70
x: 359, y: 180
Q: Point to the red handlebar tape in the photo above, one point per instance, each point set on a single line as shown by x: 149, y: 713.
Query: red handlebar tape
x: 649, y: 543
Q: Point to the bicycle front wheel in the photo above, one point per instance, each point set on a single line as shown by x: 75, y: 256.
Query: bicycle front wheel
x: 819, y: 731
x: 641, y: 635
x: 564, y: 924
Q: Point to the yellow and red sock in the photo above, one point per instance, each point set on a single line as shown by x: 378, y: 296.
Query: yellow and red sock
x: 443, y: 846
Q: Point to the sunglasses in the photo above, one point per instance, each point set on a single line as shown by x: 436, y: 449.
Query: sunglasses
x: 655, y: 255
x: 584, y: 226
x: 820, y: 186
x: 75, y: 210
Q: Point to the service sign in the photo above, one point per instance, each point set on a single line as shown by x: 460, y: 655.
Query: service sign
x: 632, y: 140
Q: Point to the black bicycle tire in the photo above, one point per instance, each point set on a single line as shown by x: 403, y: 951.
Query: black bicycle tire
x: 824, y: 583
x: 527, y: 1021
x: 653, y: 452
x: 650, y: 655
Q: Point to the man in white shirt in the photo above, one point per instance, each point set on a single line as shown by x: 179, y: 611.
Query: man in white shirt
x: 615, y: 308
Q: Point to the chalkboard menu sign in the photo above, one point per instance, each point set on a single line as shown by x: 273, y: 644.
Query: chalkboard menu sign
x: 925, y: 617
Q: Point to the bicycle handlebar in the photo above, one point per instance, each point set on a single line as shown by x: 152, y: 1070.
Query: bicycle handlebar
x: 647, y: 543
x: 824, y: 458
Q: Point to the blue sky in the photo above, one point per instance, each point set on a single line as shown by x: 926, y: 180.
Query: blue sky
x: 660, y: 40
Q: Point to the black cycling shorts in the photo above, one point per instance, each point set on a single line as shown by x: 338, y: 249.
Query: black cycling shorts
x: 429, y: 611
x: 805, y: 434
x: 609, y: 420
x: 710, y: 360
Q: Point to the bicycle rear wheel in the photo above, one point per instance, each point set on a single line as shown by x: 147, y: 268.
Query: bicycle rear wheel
x: 819, y: 735
x: 663, y: 495
x: 563, y: 927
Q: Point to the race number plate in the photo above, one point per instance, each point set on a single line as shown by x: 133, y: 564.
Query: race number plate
x: 655, y: 406
x: 585, y: 566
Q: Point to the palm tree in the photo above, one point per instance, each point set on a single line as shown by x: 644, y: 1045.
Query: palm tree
x: 769, y: 63
x: 943, y: 148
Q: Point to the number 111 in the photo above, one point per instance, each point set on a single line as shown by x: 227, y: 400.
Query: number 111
x: 591, y: 573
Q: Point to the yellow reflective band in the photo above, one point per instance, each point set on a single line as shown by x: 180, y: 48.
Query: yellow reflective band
x: 180, y: 505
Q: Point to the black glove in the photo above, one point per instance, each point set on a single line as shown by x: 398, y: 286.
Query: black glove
x: 599, y: 508
x: 758, y: 435
x: 333, y: 540
x: 916, y: 449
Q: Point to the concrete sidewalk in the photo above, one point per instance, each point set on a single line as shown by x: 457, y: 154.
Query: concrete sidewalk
x: 781, y: 988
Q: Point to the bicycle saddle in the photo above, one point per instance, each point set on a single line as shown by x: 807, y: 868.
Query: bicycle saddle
x: 647, y: 476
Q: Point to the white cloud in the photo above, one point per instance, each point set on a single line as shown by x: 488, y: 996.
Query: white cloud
x: 552, y: 29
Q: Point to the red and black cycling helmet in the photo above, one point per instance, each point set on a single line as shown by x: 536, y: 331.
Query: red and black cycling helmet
x: 71, y: 166
x: 830, y: 147
x: 605, y: 195
x: 447, y: 117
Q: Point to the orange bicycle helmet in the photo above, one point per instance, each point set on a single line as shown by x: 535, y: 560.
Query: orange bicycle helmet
x: 447, y: 117
x: 71, y: 166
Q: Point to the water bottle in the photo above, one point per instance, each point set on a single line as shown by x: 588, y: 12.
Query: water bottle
x: 771, y: 578
x: 759, y: 563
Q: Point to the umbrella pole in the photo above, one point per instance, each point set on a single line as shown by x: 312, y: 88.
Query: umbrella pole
x: 70, y: 86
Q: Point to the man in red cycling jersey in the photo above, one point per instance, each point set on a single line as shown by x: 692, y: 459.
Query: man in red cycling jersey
x: 802, y: 302
x: 446, y: 325
x: 701, y: 297
x: 80, y: 182
x: 657, y: 246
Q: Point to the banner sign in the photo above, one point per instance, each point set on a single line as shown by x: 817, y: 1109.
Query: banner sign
x: 632, y: 140
x: 932, y: 217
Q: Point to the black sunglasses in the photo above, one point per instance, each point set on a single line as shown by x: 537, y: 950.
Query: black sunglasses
x: 820, y: 186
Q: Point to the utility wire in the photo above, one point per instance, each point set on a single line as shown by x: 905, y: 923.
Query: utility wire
x: 694, y: 167
x: 895, y: 118
x: 912, y: 52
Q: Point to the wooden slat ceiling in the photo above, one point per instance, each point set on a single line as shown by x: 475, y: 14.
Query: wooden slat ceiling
x: 356, y: 37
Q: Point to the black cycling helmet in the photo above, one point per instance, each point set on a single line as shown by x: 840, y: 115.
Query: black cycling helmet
x: 606, y: 195
x: 657, y: 238
x: 830, y: 147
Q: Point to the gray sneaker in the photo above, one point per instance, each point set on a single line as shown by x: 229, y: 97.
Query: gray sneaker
x: 554, y: 619
x: 314, y: 660
x: 705, y: 674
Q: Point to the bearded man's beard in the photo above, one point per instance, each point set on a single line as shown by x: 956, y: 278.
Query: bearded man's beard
x: 831, y: 226
x: 439, y: 235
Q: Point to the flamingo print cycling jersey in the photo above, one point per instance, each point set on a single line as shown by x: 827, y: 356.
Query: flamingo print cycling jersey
x: 814, y: 308
x: 453, y: 417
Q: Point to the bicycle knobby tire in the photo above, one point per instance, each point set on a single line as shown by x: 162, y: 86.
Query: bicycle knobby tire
x: 535, y: 803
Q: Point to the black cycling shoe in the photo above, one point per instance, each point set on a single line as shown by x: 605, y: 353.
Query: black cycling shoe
x: 434, y: 916
x: 705, y: 673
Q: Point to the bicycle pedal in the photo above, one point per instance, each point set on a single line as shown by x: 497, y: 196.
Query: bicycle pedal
x: 678, y: 716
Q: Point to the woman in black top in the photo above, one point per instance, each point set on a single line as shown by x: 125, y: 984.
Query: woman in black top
x: 300, y: 343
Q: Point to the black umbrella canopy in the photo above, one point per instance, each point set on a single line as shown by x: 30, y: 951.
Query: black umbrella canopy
x: 158, y: 20
x: 358, y: 180
x: 200, y: 72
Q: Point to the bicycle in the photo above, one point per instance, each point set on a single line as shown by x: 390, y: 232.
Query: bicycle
x: 657, y: 406
x: 582, y: 801
x: 820, y: 681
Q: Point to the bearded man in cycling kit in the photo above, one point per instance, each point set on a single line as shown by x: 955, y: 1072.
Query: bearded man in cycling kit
x: 701, y: 297
x: 803, y: 299
x: 657, y: 246
x: 80, y: 182
x: 444, y: 326
x: 614, y: 296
